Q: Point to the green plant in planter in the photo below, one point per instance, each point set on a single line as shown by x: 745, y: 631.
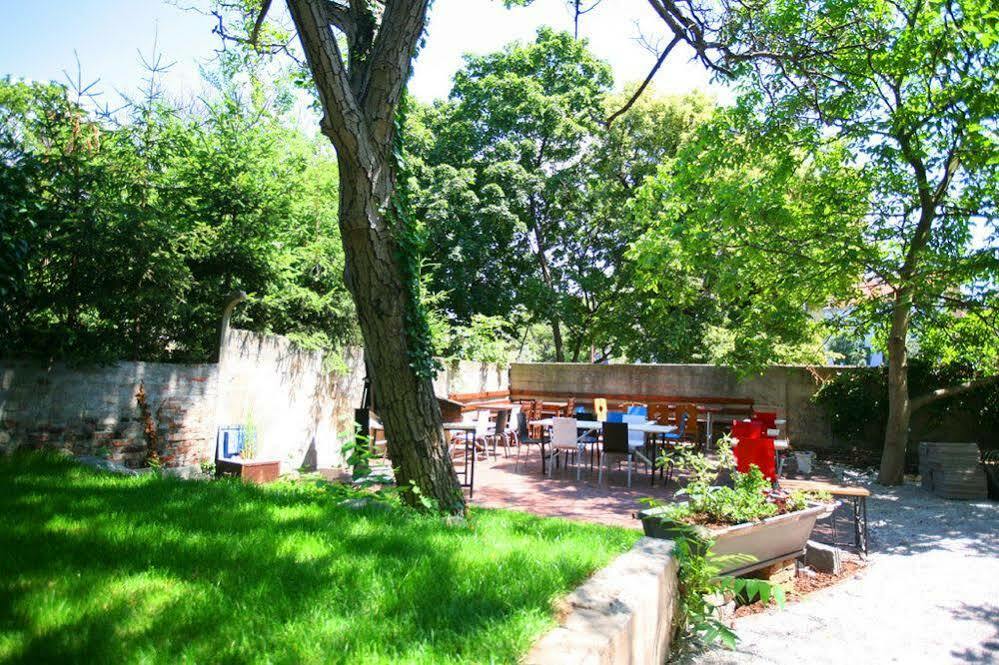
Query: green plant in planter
x: 250, y: 438
x: 749, y: 498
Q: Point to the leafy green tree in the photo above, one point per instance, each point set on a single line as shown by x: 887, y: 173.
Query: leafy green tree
x: 255, y: 204
x: 129, y: 231
x: 484, y: 195
x: 718, y: 217
x: 93, y: 248
x: 909, y: 90
x: 516, y: 130
x: 619, y: 319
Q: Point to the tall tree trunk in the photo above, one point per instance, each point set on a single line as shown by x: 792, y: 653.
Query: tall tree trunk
x: 546, y: 276
x: 557, y: 339
x: 404, y: 400
x: 360, y: 99
x: 899, y: 408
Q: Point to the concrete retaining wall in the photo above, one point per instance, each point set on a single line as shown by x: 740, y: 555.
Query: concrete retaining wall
x: 786, y: 389
x: 300, y: 402
x: 623, y: 615
x: 468, y: 376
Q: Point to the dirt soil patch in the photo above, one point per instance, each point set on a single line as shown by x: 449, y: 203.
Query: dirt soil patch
x: 804, y: 584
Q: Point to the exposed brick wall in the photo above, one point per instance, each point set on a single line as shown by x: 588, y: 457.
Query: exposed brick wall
x: 94, y: 410
x: 300, y: 403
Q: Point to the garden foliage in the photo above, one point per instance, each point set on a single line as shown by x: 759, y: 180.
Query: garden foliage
x: 122, y: 234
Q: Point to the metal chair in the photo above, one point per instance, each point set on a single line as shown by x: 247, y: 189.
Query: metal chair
x: 678, y: 435
x: 590, y: 438
x: 691, y: 430
x: 499, y: 432
x: 636, y: 409
x: 524, y: 440
x: 615, y: 444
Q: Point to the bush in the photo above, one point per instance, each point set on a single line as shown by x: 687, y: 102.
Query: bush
x: 856, y: 403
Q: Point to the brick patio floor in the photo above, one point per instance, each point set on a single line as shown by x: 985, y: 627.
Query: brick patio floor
x: 498, y: 485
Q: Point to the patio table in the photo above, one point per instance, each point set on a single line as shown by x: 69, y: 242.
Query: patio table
x: 580, y: 424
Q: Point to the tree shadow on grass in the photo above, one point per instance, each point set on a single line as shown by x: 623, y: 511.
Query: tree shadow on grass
x: 97, y: 568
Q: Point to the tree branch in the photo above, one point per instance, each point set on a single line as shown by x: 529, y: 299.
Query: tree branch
x: 340, y: 17
x: 343, y: 120
x: 951, y: 391
x: 259, y: 22
x: 648, y: 79
x: 389, y: 67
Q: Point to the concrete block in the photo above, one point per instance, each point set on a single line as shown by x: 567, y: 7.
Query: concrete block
x: 622, y: 615
x: 824, y: 558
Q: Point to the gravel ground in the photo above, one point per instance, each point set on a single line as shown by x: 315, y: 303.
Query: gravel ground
x: 929, y: 595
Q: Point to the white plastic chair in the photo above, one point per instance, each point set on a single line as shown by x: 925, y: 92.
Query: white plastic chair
x: 564, y: 441
x: 483, y: 430
x: 511, y: 425
x: 636, y: 440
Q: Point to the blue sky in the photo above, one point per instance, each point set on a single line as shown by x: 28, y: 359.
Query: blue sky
x: 38, y: 40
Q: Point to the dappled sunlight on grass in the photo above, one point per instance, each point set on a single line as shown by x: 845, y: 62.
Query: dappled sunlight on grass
x: 101, y: 568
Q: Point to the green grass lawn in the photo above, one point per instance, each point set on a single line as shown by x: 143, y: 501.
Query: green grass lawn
x: 100, y: 568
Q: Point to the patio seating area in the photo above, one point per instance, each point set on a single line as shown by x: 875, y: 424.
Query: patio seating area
x: 596, y: 459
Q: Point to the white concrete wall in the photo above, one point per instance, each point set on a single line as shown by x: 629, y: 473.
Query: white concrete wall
x: 300, y: 402
x: 300, y: 405
x: 468, y: 376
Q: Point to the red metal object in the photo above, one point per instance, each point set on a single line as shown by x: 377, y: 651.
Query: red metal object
x: 769, y: 419
x: 758, y: 452
x: 747, y: 429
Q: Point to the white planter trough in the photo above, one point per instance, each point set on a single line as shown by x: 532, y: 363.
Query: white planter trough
x: 768, y: 541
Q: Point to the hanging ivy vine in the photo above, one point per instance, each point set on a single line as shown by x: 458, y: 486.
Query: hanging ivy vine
x: 410, y: 238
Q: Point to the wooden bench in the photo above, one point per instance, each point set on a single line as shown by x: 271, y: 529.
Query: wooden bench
x: 474, y: 401
x: 856, y: 495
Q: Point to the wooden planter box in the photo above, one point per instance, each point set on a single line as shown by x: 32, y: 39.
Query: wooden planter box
x: 252, y: 471
x: 767, y: 541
